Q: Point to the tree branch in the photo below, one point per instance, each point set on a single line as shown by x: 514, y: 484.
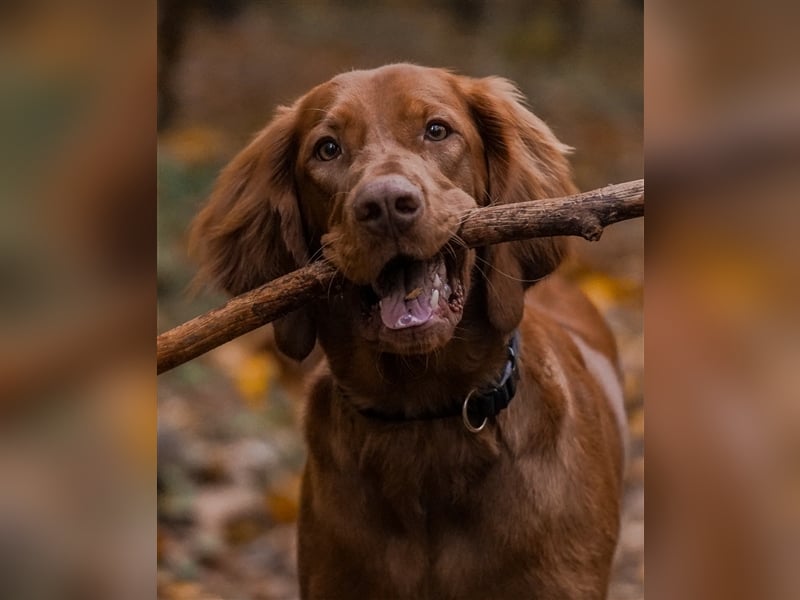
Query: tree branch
x: 584, y: 215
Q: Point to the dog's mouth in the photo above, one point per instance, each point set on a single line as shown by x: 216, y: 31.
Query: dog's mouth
x: 412, y: 296
x: 412, y: 292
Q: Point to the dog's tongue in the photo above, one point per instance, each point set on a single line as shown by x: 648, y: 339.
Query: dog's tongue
x: 409, y: 293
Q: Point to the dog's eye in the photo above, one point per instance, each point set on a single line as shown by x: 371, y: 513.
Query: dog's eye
x: 436, y: 131
x: 327, y: 149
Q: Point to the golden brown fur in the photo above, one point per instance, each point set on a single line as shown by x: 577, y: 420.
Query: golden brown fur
x: 529, y: 506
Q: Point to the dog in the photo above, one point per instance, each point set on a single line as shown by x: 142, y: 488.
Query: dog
x: 465, y: 430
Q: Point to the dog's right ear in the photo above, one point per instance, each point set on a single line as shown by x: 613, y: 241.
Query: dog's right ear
x: 251, y: 229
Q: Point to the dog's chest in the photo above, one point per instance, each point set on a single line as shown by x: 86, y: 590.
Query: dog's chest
x: 426, y: 469
x: 452, y: 558
x: 432, y: 508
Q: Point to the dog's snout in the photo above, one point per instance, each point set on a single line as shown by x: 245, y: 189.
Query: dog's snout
x: 389, y: 203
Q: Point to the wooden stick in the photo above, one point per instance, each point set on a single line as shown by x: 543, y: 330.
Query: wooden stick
x: 584, y: 215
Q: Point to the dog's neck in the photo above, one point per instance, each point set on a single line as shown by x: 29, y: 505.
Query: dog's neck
x: 419, y: 384
x: 483, y: 402
x: 433, y: 462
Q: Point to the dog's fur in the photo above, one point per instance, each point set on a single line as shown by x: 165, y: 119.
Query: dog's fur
x: 527, y: 507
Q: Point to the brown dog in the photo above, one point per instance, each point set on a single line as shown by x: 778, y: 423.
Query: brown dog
x: 465, y: 437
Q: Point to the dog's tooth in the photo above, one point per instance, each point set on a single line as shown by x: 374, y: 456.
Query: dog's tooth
x: 437, y: 281
x: 447, y: 291
x: 434, y: 299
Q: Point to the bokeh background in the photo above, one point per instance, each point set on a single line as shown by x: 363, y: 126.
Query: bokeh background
x: 229, y: 451
x: 722, y: 296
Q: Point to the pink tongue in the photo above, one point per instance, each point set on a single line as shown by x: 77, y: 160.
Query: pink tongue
x: 396, y: 311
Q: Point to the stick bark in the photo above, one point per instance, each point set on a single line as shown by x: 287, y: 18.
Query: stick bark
x: 585, y: 215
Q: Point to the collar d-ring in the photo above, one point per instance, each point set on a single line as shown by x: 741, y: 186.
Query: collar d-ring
x: 465, y: 415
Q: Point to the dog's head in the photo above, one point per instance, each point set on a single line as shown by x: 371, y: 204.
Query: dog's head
x: 374, y: 169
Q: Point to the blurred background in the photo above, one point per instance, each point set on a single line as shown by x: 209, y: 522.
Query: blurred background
x: 77, y: 299
x: 229, y: 451
x: 723, y: 290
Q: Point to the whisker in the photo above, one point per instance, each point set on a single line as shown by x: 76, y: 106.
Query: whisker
x: 463, y: 218
x: 458, y: 241
x: 451, y: 251
x: 504, y: 274
x: 330, y: 288
x: 485, y: 277
x: 323, y: 245
x: 336, y: 275
x: 316, y: 255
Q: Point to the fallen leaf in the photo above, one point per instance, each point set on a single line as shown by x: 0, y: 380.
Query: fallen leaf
x: 282, y: 500
x: 253, y: 378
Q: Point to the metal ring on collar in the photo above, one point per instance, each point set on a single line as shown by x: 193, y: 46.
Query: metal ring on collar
x: 465, y: 417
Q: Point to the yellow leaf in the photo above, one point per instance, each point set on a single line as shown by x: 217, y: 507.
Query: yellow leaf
x: 282, y: 500
x: 606, y: 291
x: 192, y: 145
x: 254, y: 376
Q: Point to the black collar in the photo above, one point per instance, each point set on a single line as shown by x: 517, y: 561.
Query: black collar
x: 480, y: 404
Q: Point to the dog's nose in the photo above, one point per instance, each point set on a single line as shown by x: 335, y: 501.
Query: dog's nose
x: 389, y: 203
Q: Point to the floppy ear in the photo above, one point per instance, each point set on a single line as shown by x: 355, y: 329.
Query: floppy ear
x: 525, y: 161
x: 251, y: 229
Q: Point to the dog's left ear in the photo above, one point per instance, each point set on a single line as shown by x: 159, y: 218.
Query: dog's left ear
x: 525, y: 162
